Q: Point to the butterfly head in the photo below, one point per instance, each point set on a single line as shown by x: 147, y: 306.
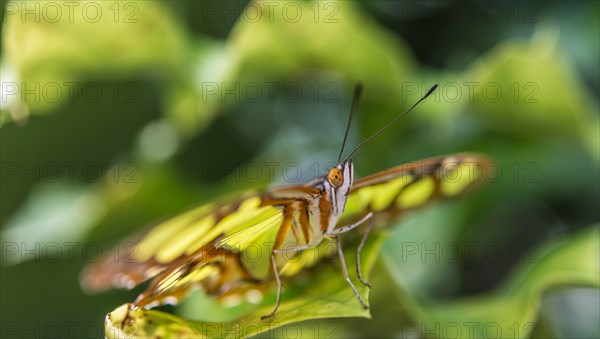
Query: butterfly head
x: 340, y: 178
x: 335, y: 177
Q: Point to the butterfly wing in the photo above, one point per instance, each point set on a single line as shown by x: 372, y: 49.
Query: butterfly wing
x: 409, y: 186
x: 216, y: 246
x: 222, y: 246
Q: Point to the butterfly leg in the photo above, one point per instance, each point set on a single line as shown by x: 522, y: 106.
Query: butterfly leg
x: 276, y: 272
x: 358, y: 249
x: 345, y: 271
x: 347, y: 228
x: 298, y: 248
x: 279, y: 288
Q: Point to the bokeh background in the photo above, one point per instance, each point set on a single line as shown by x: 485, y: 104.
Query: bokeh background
x: 116, y: 114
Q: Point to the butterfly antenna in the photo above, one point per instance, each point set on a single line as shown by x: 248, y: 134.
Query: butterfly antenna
x: 433, y: 88
x: 355, y: 99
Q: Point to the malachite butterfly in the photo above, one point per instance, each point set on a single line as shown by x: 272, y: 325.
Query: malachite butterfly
x: 209, y: 246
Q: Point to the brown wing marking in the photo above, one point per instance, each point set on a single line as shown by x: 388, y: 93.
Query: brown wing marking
x: 289, y: 194
x: 325, y: 212
x: 217, y: 270
x: 419, y: 168
x: 304, y: 222
x: 286, y: 225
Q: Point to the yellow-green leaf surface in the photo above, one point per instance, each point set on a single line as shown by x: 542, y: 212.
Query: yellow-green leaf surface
x: 325, y: 295
x: 512, y: 309
x: 529, y: 87
x: 109, y: 39
x: 330, y: 36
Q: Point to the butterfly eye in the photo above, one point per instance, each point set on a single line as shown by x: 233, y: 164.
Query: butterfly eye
x: 335, y: 177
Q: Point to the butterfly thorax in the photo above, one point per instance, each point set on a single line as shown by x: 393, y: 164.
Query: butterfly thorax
x: 326, y: 209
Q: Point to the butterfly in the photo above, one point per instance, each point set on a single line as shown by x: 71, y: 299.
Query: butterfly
x: 230, y: 246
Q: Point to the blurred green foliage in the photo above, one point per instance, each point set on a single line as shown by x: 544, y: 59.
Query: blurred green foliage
x: 522, y: 88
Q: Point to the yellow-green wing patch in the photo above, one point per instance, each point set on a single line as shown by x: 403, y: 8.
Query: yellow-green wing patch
x: 248, y: 232
x: 415, y: 184
x: 169, y: 241
x: 172, y: 228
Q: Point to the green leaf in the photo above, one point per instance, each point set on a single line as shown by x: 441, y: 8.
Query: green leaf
x: 325, y: 295
x: 363, y: 50
x: 126, y: 39
x: 512, y: 309
x: 56, y: 58
x: 529, y: 88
